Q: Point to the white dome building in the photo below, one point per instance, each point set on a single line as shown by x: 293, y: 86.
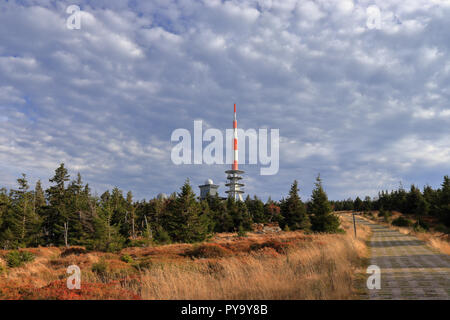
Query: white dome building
x: 208, y: 188
x: 162, y: 196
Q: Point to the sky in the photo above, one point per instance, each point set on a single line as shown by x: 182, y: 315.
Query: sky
x: 367, y: 108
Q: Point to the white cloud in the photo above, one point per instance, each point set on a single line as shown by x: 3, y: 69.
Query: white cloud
x: 345, y: 6
x: 366, y: 108
x: 310, y: 10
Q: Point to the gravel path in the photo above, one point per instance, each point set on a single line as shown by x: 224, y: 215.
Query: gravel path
x: 409, y: 268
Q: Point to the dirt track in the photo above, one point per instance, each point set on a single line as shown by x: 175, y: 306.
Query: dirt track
x: 409, y: 268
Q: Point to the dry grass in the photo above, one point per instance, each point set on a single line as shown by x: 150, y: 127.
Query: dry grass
x: 437, y: 241
x: 312, y: 267
x: 317, y: 270
x: 289, y: 265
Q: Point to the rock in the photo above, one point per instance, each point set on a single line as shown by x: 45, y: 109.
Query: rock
x: 263, y: 228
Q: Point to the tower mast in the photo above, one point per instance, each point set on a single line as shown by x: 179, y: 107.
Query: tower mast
x: 234, y: 174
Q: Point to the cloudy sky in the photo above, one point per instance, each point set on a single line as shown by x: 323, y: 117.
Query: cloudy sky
x: 366, y: 107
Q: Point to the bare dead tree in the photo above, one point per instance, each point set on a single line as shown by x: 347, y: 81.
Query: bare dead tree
x: 66, y: 233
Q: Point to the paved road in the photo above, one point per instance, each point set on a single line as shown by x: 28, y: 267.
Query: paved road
x: 409, y: 268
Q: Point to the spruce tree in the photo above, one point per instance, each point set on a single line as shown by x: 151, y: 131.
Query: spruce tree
x: 294, y: 212
x: 221, y: 219
x: 416, y: 203
x: 238, y: 212
x: 445, y: 201
x: 358, y: 204
x: 4, y: 206
x: 10, y: 227
x: 120, y: 210
x: 186, y: 222
x: 272, y: 211
x: 107, y: 235
x: 367, y: 204
x: 256, y: 209
x: 79, y: 215
x: 130, y: 217
x: 39, y: 196
x: 322, y: 219
x: 432, y: 198
x: 56, y: 217
x: 24, y: 207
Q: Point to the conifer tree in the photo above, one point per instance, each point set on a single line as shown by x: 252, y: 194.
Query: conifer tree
x: 238, y: 212
x: 416, y: 203
x: 367, y: 204
x: 56, y: 217
x: 20, y: 224
x: 24, y: 203
x: 432, y: 198
x: 358, y: 204
x: 294, y: 212
x: 221, y: 219
x: 256, y: 209
x: 4, y: 205
x: 186, y: 222
x: 322, y: 219
x: 272, y: 211
x: 131, y: 216
x: 445, y: 201
x: 39, y: 196
x: 80, y: 219
x: 150, y: 217
x: 10, y: 223
x: 107, y: 235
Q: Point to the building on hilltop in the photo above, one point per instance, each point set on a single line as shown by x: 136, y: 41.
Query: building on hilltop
x: 209, y: 188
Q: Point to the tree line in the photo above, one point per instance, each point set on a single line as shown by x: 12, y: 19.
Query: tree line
x: 421, y: 203
x: 68, y: 214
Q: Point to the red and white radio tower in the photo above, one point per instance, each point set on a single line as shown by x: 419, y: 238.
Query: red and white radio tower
x: 234, y: 174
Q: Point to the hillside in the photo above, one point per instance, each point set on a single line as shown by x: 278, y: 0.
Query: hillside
x: 285, y: 265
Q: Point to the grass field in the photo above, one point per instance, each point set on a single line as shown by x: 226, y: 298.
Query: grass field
x: 286, y: 265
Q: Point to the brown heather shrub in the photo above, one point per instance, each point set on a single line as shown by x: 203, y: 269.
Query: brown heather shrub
x: 280, y: 247
x: 57, y: 290
x: 73, y: 250
x: 207, y: 251
x: 266, y: 252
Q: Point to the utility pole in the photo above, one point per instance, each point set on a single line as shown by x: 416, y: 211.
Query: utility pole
x: 354, y: 223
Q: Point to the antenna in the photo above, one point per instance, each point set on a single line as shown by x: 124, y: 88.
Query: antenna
x: 234, y: 174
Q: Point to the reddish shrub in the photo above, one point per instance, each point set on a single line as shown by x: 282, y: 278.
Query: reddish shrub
x: 73, y: 250
x: 279, y: 247
x: 58, y: 290
x: 207, y: 251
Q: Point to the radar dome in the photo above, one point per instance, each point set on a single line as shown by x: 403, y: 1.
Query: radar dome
x: 209, y: 181
x: 162, y: 196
